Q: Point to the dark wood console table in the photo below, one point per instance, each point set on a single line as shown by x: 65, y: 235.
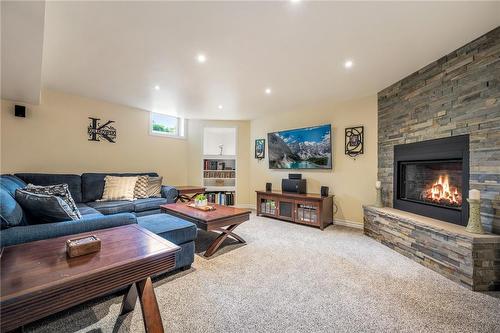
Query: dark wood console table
x: 309, y: 209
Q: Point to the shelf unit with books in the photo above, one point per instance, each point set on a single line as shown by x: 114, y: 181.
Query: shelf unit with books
x: 219, y: 178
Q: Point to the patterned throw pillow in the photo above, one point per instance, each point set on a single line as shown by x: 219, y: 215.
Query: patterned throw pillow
x: 118, y: 188
x: 154, y: 187
x: 141, y: 187
x: 58, y: 190
x: 44, y: 208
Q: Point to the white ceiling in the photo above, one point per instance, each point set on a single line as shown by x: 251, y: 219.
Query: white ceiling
x: 22, y: 43
x: 118, y: 51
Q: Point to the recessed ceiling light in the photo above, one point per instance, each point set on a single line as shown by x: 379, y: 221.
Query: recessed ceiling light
x: 157, y: 87
x: 219, y: 107
x: 201, y: 58
x: 348, y: 64
x: 268, y: 91
x: 295, y: 1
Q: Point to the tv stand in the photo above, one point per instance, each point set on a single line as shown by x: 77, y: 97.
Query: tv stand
x: 308, y: 209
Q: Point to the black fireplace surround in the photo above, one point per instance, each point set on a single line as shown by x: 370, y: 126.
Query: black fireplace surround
x: 431, y: 178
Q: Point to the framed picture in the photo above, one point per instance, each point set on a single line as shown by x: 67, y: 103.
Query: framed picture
x: 354, y: 140
x: 260, y: 148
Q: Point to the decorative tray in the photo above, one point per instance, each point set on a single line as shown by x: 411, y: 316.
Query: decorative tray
x: 207, y: 208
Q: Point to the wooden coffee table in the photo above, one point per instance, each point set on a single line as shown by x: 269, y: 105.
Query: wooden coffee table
x: 38, y: 279
x: 222, y: 216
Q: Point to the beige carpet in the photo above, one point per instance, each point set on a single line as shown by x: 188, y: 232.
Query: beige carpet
x: 292, y: 278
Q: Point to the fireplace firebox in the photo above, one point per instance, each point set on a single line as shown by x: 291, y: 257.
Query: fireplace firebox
x: 431, y: 178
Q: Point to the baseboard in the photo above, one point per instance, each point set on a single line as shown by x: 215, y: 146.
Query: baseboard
x: 247, y: 206
x: 347, y: 223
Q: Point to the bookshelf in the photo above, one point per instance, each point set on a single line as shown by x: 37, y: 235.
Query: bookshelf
x: 219, y: 178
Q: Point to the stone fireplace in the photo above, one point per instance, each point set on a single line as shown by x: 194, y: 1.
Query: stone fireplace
x: 431, y: 178
x: 458, y: 94
x: 438, y: 137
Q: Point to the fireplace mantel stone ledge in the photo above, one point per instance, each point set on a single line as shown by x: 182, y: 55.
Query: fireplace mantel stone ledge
x: 472, y: 260
x: 434, y: 225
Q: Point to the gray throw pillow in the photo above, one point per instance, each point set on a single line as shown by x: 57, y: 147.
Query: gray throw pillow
x: 154, y: 187
x: 59, y: 190
x: 43, y: 208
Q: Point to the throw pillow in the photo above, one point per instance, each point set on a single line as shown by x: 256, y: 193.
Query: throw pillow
x: 141, y: 187
x: 154, y: 187
x: 118, y: 188
x: 44, y: 208
x: 59, y: 190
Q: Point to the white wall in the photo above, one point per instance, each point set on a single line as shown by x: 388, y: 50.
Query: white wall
x: 215, y: 136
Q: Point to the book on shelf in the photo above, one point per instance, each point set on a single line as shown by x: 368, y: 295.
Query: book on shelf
x: 219, y: 174
x: 221, y: 198
x: 215, y: 165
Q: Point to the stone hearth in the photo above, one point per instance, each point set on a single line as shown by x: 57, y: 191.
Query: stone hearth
x: 469, y: 259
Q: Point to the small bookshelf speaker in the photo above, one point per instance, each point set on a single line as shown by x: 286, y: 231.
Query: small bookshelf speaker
x: 324, y: 191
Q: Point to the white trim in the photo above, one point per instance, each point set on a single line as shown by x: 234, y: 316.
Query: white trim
x: 347, y: 223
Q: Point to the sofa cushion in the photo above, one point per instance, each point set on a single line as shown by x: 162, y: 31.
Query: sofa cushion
x: 43, y: 208
x: 93, y: 183
x: 112, y: 207
x: 74, y: 181
x: 142, y: 205
x: 30, y: 233
x: 11, y: 184
x: 87, y: 211
x: 171, y: 228
x: 11, y: 213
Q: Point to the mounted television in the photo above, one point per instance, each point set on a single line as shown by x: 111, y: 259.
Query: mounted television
x: 303, y: 148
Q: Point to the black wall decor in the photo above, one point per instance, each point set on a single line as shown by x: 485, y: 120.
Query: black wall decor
x: 96, y: 131
x: 260, y: 148
x: 354, y: 140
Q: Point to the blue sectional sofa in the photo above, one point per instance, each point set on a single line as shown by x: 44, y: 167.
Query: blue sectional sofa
x: 86, y: 189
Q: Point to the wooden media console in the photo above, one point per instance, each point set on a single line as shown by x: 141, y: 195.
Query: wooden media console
x: 309, y: 209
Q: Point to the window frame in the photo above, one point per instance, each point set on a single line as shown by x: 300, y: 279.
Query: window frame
x: 181, y: 127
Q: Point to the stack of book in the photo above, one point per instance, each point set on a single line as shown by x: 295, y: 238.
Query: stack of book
x: 219, y: 174
x: 215, y: 165
x: 221, y: 198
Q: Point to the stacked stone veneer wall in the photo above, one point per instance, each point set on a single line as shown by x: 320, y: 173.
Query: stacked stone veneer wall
x: 457, y: 94
x: 472, y: 261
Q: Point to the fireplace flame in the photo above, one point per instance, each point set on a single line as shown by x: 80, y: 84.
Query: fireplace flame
x: 442, y: 192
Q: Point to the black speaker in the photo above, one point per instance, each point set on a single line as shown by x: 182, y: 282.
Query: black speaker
x: 269, y: 187
x: 294, y: 176
x: 324, y: 191
x: 294, y: 185
x: 20, y: 111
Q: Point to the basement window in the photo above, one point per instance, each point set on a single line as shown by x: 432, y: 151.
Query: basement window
x: 166, y: 125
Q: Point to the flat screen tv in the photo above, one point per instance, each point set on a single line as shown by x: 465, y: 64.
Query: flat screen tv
x: 303, y: 148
